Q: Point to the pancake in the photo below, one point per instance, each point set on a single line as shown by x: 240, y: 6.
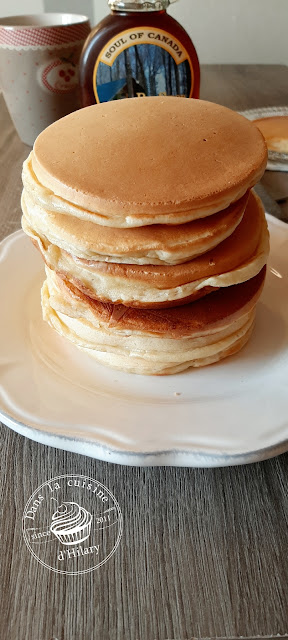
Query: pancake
x: 153, y: 342
x: 141, y: 366
x: 153, y: 244
x: 149, y: 161
x: 238, y: 258
x: 275, y: 132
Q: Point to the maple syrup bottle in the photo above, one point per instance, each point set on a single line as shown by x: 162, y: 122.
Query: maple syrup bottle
x: 138, y: 50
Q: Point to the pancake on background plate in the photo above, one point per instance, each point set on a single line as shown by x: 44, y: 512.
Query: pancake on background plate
x: 275, y: 132
x: 143, y: 209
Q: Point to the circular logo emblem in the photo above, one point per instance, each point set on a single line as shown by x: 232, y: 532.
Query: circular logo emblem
x: 72, y: 524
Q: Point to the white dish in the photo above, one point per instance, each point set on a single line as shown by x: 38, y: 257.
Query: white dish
x: 276, y: 161
x: 233, y: 412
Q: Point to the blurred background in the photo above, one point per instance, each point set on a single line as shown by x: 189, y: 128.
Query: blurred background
x: 223, y: 31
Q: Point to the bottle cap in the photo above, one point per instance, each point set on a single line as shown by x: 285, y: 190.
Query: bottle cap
x: 139, y: 5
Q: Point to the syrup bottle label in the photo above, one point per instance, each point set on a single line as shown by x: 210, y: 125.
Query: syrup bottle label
x: 142, y: 62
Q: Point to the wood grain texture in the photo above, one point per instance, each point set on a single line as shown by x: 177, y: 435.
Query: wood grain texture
x: 203, y: 552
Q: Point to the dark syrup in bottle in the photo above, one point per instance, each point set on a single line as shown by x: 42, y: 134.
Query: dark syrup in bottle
x: 138, y: 50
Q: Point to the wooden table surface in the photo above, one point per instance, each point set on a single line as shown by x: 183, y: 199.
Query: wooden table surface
x: 203, y: 551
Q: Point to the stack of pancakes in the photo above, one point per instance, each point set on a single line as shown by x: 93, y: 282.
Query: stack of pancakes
x: 155, y: 246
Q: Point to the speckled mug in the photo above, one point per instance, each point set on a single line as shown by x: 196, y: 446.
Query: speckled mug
x: 39, y: 57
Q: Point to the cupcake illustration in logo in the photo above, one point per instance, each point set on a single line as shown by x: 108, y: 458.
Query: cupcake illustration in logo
x: 71, y: 523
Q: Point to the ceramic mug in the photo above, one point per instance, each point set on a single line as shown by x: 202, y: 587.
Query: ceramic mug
x: 39, y: 57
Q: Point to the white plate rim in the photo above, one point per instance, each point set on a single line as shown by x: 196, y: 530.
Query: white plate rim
x: 145, y: 459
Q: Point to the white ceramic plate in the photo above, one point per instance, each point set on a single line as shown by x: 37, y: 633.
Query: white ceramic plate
x: 276, y: 161
x: 230, y: 413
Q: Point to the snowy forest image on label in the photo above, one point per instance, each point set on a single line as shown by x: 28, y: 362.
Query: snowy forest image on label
x: 125, y: 69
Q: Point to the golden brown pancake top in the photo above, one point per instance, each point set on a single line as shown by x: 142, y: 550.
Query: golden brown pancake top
x: 150, y: 154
